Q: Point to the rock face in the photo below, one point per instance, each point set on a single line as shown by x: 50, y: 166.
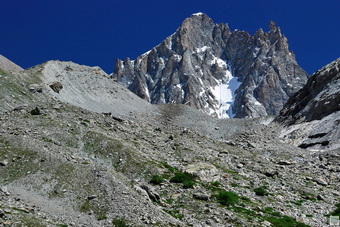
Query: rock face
x: 222, y: 73
x: 313, y: 113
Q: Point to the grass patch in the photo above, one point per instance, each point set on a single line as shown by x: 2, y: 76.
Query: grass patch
x: 234, y: 185
x: 31, y: 221
x: 25, y: 162
x: 299, y: 202
x: 261, y: 191
x: 169, y: 167
x: 181, y: 177
x: 336, y: 212
x: 99, y: 211
x: 156, y: 179
x: 187, y: 179
x: 227, y: 198
x: 285, y: 221
x: 169, y: 201
x: 175, y: 213
x: 119, y: 222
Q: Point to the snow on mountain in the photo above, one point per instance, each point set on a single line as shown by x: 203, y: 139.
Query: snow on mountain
x: 222, y: 73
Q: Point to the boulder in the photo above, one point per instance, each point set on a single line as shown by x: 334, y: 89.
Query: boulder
x: 204, y: 171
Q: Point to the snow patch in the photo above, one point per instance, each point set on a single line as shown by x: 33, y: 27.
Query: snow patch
x: 257, y: 103
x: 201, y: 49
x: 147, y: 92
x: 225, y: 95
x: 180, y: 87
x: 197, y: 14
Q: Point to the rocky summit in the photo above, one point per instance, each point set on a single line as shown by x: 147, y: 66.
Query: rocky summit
x: 77, y: 148
x: 222, y: 73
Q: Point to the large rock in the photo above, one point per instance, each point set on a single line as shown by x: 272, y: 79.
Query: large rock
x: 312, y: 115
x: 222, y: 73
x: 205, y: 171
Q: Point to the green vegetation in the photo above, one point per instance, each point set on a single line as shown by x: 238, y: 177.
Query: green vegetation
x: 181, y: 177
x: 119, y: 222
x: 156, y: 179
x: 169, y: 167
x: 261, y: 191
x: 245, y: 199
x: 216, y: 184
x: 31, y: 221
x: 124, y: 157
x: 24, y: 162
x: 336, y: 212
x: 187, y: 179
x: 169, y: 201
x: 188, y: 184
x: 227, y: 197
x: 100, y: 211
x: 35, y: 111
x: 285, y: 221
x: 175, y: 213
x: 299, y: 202
x: 309, y: 196
x: 234, y: 185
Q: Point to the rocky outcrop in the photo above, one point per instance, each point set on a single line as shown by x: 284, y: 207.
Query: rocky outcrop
x: 313, y: 114
x: 222, y: 73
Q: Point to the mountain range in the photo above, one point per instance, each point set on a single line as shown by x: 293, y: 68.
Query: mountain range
x: 151, y: 145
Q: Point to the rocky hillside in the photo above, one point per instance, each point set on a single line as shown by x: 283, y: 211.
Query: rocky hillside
x: 86, y: 87
x: 65, y: 163
x: 223, y: 73
x: 8, y: 65
x: 312, y: 115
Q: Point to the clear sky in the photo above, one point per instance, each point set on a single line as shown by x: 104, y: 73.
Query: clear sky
x: 96, y: 32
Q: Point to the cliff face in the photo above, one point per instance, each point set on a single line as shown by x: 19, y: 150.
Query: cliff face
x: 312, y: 114
x: 222, y: 73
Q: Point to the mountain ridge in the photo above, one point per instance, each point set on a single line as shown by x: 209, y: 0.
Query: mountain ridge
x: 202, y: 57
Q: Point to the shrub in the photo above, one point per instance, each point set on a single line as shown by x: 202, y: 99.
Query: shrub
x: 188, y: 184
x: 234, y: 185
x: 216, y: 184
x: 181, y: 177
x: 156, y: 179
x: 336, y: 212
x: 35, y: 111
x: 227, y: 197
x: 261, y: 191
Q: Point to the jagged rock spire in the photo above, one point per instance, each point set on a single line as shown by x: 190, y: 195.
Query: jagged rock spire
x: 223, y: 73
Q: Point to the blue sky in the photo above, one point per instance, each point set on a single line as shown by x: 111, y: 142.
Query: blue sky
x: 96, y: 32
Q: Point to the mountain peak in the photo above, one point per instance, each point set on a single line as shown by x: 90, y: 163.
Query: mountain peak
x: 198, y: 14
x: 224, y: 74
